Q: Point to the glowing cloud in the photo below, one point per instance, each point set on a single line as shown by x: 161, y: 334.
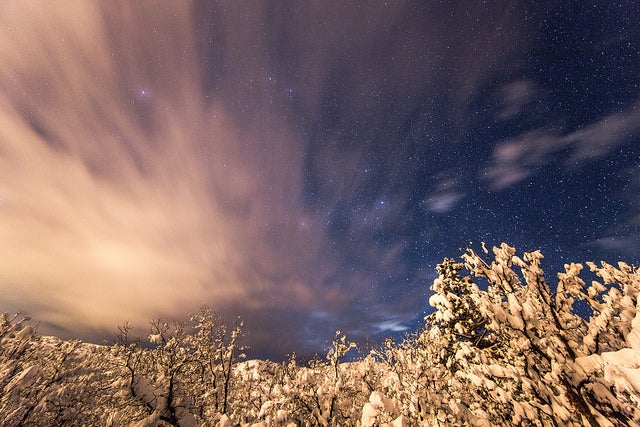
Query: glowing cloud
x: 124, y: 194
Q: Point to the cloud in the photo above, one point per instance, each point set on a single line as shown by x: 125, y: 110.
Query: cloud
x: 443, y: 202
x: 514, y: 96
x: 391, y: 325
x: 601, y: 138
x: 124, y: 193
x: 626, y: 245
x: 515, y: 159
x: 445, y: 196
x: 624, y: 237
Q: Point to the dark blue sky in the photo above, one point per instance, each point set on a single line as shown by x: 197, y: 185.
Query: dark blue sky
x: 305, y: 164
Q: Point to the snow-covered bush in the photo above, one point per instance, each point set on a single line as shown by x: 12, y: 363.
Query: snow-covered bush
x: 186, y: 377
x: 513, y: 347
x: 325, y: 393
x: 47, y: 381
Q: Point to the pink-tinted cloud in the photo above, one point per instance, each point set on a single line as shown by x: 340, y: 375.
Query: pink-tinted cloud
x: 123, y: 193
x: 514, y: 97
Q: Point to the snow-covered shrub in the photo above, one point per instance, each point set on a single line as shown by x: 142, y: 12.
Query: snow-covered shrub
x: 514, y: 347
x: 51, y: 382
x: 516, y: 350
x: 185, y: 378
x: 325, y: 392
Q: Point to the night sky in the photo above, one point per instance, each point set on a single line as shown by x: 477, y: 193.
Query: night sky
x: 304, y: 164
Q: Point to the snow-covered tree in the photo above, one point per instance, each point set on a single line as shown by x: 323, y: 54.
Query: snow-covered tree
x: 216, y: 351
x: 517, y: 356
x: 326, y: 392
x: 185, y: 378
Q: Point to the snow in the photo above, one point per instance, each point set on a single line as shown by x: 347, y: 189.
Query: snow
x: 23, y: 381
x: 633, y: 338
x: 24, y: 333
x: 225, y: 421
x: 622, y: 368
x: 369, y: 414
x: 379, y: 404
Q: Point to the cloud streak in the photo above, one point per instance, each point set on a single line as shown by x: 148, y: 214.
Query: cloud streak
x: 516, y: 159
x: 124, y: 193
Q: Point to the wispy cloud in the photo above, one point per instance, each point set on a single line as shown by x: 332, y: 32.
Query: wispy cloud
x: 601, y: 138
x: 445, y: 196
x: 391, y: 325
x: 624, y: 238
x: 514, y: 97
x: 516, y: 159
x: 627, y: 244
x: 124, y: 194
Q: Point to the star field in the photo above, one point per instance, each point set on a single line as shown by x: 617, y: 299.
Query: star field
x: 304, y: 165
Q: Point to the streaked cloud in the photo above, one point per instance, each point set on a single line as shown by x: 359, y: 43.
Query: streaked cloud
x: 601, y: 138
x: 392, y: 325
x: 515, y: 159
x: 445, y: 196
x: 624, y: 237
x: 514, y: 96
x: 124, y: 193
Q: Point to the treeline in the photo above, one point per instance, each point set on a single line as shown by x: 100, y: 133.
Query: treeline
x: 501, y: 347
